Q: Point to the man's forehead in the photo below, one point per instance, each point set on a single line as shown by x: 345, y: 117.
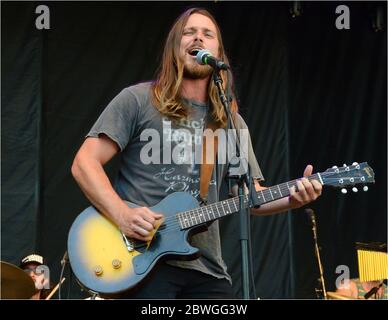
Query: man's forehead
x: 199, y: 21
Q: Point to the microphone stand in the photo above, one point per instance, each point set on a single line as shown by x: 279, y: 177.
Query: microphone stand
x: 243, y: 180
x: 321, y: 279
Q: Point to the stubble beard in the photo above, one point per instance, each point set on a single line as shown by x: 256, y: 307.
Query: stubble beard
x: 196, y: 71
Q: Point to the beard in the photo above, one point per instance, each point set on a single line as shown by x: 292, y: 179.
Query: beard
x: 193, y: 70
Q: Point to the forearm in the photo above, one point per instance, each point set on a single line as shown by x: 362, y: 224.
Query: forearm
x: 95, y: 184
x: 277, y: 206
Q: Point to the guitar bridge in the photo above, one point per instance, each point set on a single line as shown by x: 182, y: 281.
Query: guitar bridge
x: 128, y: 243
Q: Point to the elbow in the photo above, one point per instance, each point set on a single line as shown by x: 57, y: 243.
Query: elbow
x: 76, y: 168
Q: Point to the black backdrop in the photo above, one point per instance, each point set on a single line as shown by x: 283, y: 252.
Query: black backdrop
x: 309, y: 92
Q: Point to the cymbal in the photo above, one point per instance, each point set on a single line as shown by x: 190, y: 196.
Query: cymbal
x: 335, y: 296
x: 15, y: 283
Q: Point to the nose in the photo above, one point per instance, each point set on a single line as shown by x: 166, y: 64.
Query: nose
x: 198, y: 37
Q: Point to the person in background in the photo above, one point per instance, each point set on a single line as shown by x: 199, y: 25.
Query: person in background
x: 362, y: 290
x: 30, y: 265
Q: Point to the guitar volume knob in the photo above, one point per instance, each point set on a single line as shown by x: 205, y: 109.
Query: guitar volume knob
x: 116, y: 263
x: 98, y: 271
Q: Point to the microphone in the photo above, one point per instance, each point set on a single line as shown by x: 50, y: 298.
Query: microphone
x: 205, y: 57
x: 311, y: 214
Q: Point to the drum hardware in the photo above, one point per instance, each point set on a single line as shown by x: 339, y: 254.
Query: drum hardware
x: 320, y: 291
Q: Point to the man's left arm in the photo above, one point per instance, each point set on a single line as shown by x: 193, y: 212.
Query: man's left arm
x: 308, y: 191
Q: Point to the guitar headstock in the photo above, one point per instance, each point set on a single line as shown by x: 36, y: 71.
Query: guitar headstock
x: 342, y: 177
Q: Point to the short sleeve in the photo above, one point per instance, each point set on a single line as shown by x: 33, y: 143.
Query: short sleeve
x: 118, y: 120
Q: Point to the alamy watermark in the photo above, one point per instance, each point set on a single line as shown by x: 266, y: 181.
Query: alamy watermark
x: 184, y: 146
x: 342, y: 281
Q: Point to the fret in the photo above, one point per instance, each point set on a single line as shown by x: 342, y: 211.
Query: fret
x: 201, y: 215
x: 259, y: 197
x: 234, y: 202
x: 185, y: 220
x: 192, y: 215
x: 191, y: 218
x: 212, y: 211
x: 230, y: 210
x: 223, y: 211
x: 189, y: 222
x: 288, y: 186
x: 195, y: 216
x: 180, y: 220
x: 218, y: 211
x: 281, y: 195
x: 262, y: 193
x: 274, y: 193
x: 270, y: 192
x: 207, y: 211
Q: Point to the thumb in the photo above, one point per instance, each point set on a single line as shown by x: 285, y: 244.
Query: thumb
x: 308, y: 171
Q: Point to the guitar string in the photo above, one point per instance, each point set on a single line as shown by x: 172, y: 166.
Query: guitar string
x: 176, y: 225
x: 199, y: 213
x: 282, y: 187
x: 192, y: 215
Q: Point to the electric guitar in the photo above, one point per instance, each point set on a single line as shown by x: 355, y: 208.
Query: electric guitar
x: 105, y: 261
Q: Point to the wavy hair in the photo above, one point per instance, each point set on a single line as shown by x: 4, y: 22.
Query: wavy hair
x: 166, y: 88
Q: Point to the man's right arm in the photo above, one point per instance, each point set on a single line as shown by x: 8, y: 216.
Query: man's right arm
x: 88, y: 171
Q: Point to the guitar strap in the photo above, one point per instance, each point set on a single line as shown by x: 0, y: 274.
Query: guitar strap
x: 208, y: 160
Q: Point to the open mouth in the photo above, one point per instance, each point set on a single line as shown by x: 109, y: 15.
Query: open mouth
x: 194, y: 52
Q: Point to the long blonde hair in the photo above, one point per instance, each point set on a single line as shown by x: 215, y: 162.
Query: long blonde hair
x: 167, y: 86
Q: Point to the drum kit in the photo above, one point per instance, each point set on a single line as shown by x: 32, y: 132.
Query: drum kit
x: 15, y: 283
x: 335, y: 296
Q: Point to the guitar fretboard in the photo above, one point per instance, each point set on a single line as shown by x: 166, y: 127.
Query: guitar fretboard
x: 201, y: 215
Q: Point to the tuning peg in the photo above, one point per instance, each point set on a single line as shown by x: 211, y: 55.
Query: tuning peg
x: 354, y: 189
x: 335, y: 167
x: 354, y: 163
x: 345, y: 165
x: 365, y: 188
x: 344, y: 191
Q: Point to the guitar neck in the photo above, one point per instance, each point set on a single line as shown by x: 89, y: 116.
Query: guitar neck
x: 200, y: 215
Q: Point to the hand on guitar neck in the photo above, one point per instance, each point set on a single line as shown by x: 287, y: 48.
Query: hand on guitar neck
x: 305, y: 191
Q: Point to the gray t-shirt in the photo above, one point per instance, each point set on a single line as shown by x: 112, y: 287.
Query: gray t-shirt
x: 157, y: 158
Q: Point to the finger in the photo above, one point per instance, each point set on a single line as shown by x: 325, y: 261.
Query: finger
x: 144, y: 224
x: 140, y: 237
x: 292, y: 191
x: 152, y: 214
x: 308, y: 171
x: 317, y: 186
x: 310, y: 192
x: 147, y: 216
x: 301, y: 191
x: 141, y: 231
x: 151, y: 217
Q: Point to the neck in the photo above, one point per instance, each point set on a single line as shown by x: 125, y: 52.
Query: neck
x: 195, y: 89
